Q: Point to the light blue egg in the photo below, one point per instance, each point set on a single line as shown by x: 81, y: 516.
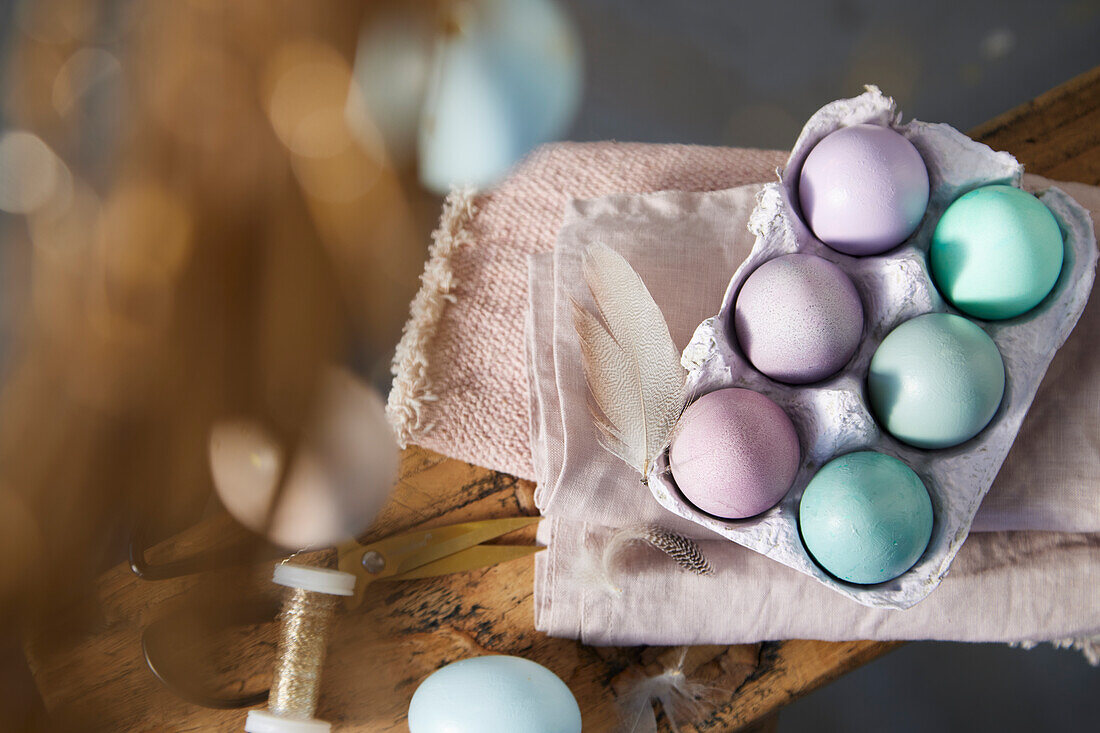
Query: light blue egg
x: 865, y: 517
x: 935, y: 381
x: 496, y: 694
x: 506, y: 78
x: 996, y: 252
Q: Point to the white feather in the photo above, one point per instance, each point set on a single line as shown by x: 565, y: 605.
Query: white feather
x: 630, y: 362
x: 682, y: 699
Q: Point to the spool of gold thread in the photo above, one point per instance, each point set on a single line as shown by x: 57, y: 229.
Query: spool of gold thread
x: 303, y: 624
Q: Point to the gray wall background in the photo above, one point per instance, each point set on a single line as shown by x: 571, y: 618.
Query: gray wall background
x: 750, y: 73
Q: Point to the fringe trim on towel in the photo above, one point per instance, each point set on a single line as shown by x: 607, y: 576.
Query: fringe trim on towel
x: 1089, y: 646
x: 411, y: 384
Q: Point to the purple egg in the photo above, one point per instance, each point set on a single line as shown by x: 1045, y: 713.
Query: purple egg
x: 734, y: 453
x: 863, y: 189
x: 798, y: 318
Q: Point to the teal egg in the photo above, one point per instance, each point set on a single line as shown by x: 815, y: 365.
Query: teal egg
x: 865, y: 517
x: 936, y: 380
x: 494, y: 694
x: 996, y: 252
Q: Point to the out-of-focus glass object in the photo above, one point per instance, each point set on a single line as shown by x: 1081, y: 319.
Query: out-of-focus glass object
x: 392, y: 65
x: 504, y: 76
x: 336, y: 484
x: 81, y: 74
x: 30, y: 173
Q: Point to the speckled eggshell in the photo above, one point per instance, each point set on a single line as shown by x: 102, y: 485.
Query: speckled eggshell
x: 936, y: 380
x: 734, y: 453
x: 798, y: 318
x: 493, y: 694
x: 863, y: 189
x: 996, y: 252
x: 865, y: 517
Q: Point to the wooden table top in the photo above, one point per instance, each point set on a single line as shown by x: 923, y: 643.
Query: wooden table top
x: 379, y: 653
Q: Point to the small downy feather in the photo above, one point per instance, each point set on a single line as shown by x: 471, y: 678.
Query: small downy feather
x: 630, y: 362
x: 682, y: 699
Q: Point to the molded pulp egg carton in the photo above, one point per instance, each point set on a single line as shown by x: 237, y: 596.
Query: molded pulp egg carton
x: 832, y: 417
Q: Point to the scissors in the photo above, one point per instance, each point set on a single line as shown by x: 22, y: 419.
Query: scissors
x: 430, y: 552
x: 423, y: 553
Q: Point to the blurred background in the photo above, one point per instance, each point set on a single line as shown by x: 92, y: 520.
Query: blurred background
x: 204, y: 204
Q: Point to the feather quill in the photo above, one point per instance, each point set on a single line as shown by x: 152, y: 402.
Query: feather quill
x: 630, y: 362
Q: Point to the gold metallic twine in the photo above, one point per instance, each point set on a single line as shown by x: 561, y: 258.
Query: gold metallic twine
x: 304, y: 623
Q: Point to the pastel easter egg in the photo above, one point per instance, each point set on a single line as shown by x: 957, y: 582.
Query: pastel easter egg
x: 798, y: 318
x: 865, y: 517
x: 495, y: 694
x: 935, y: 381
x: 734, y: 453
x: 863, y: 189
x: 996, y: 252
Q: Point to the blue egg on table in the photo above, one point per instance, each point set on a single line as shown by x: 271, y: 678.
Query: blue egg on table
x: 996, y: 252
x: 936, y: 381
x: 865, y: 517
x: 495, y: 694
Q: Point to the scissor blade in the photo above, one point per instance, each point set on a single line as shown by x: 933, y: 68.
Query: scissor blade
x: 411, y: 550
x: 420, y: 548
x: 479, y: 556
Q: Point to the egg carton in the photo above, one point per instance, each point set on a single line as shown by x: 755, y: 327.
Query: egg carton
x: 832, y: 417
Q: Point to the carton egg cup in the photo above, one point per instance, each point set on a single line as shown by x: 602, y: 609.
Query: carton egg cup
x: 832, y: 417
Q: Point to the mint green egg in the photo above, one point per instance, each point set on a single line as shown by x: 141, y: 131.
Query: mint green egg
x: 865, y: 517
x: 936, y: 380
x: 996, y: 252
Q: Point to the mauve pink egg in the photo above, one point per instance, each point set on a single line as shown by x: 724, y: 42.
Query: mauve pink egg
x: 798, y: 318
x: 863, y: 189
x: 734, y: 453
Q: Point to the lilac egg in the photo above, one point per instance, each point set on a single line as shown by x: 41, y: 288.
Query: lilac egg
x: 798, y: 318
x: 734, y: 453
x: 863, y: 189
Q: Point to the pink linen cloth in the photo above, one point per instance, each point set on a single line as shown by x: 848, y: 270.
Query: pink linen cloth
x: 1003, y: 586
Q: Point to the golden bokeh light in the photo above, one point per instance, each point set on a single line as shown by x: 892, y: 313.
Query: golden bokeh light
x: 145, y: 235
x: 308, y: 85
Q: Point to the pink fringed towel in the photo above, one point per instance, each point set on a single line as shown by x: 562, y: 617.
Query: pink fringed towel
x: 461, y: 390
x: 460, y: 385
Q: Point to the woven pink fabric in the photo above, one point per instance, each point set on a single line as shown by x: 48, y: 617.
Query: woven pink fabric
x: 460, y: 388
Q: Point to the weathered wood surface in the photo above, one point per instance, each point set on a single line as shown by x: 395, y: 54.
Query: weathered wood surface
x: 1057, y: 134
x: 379, y: 653
x: 94, y: 675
